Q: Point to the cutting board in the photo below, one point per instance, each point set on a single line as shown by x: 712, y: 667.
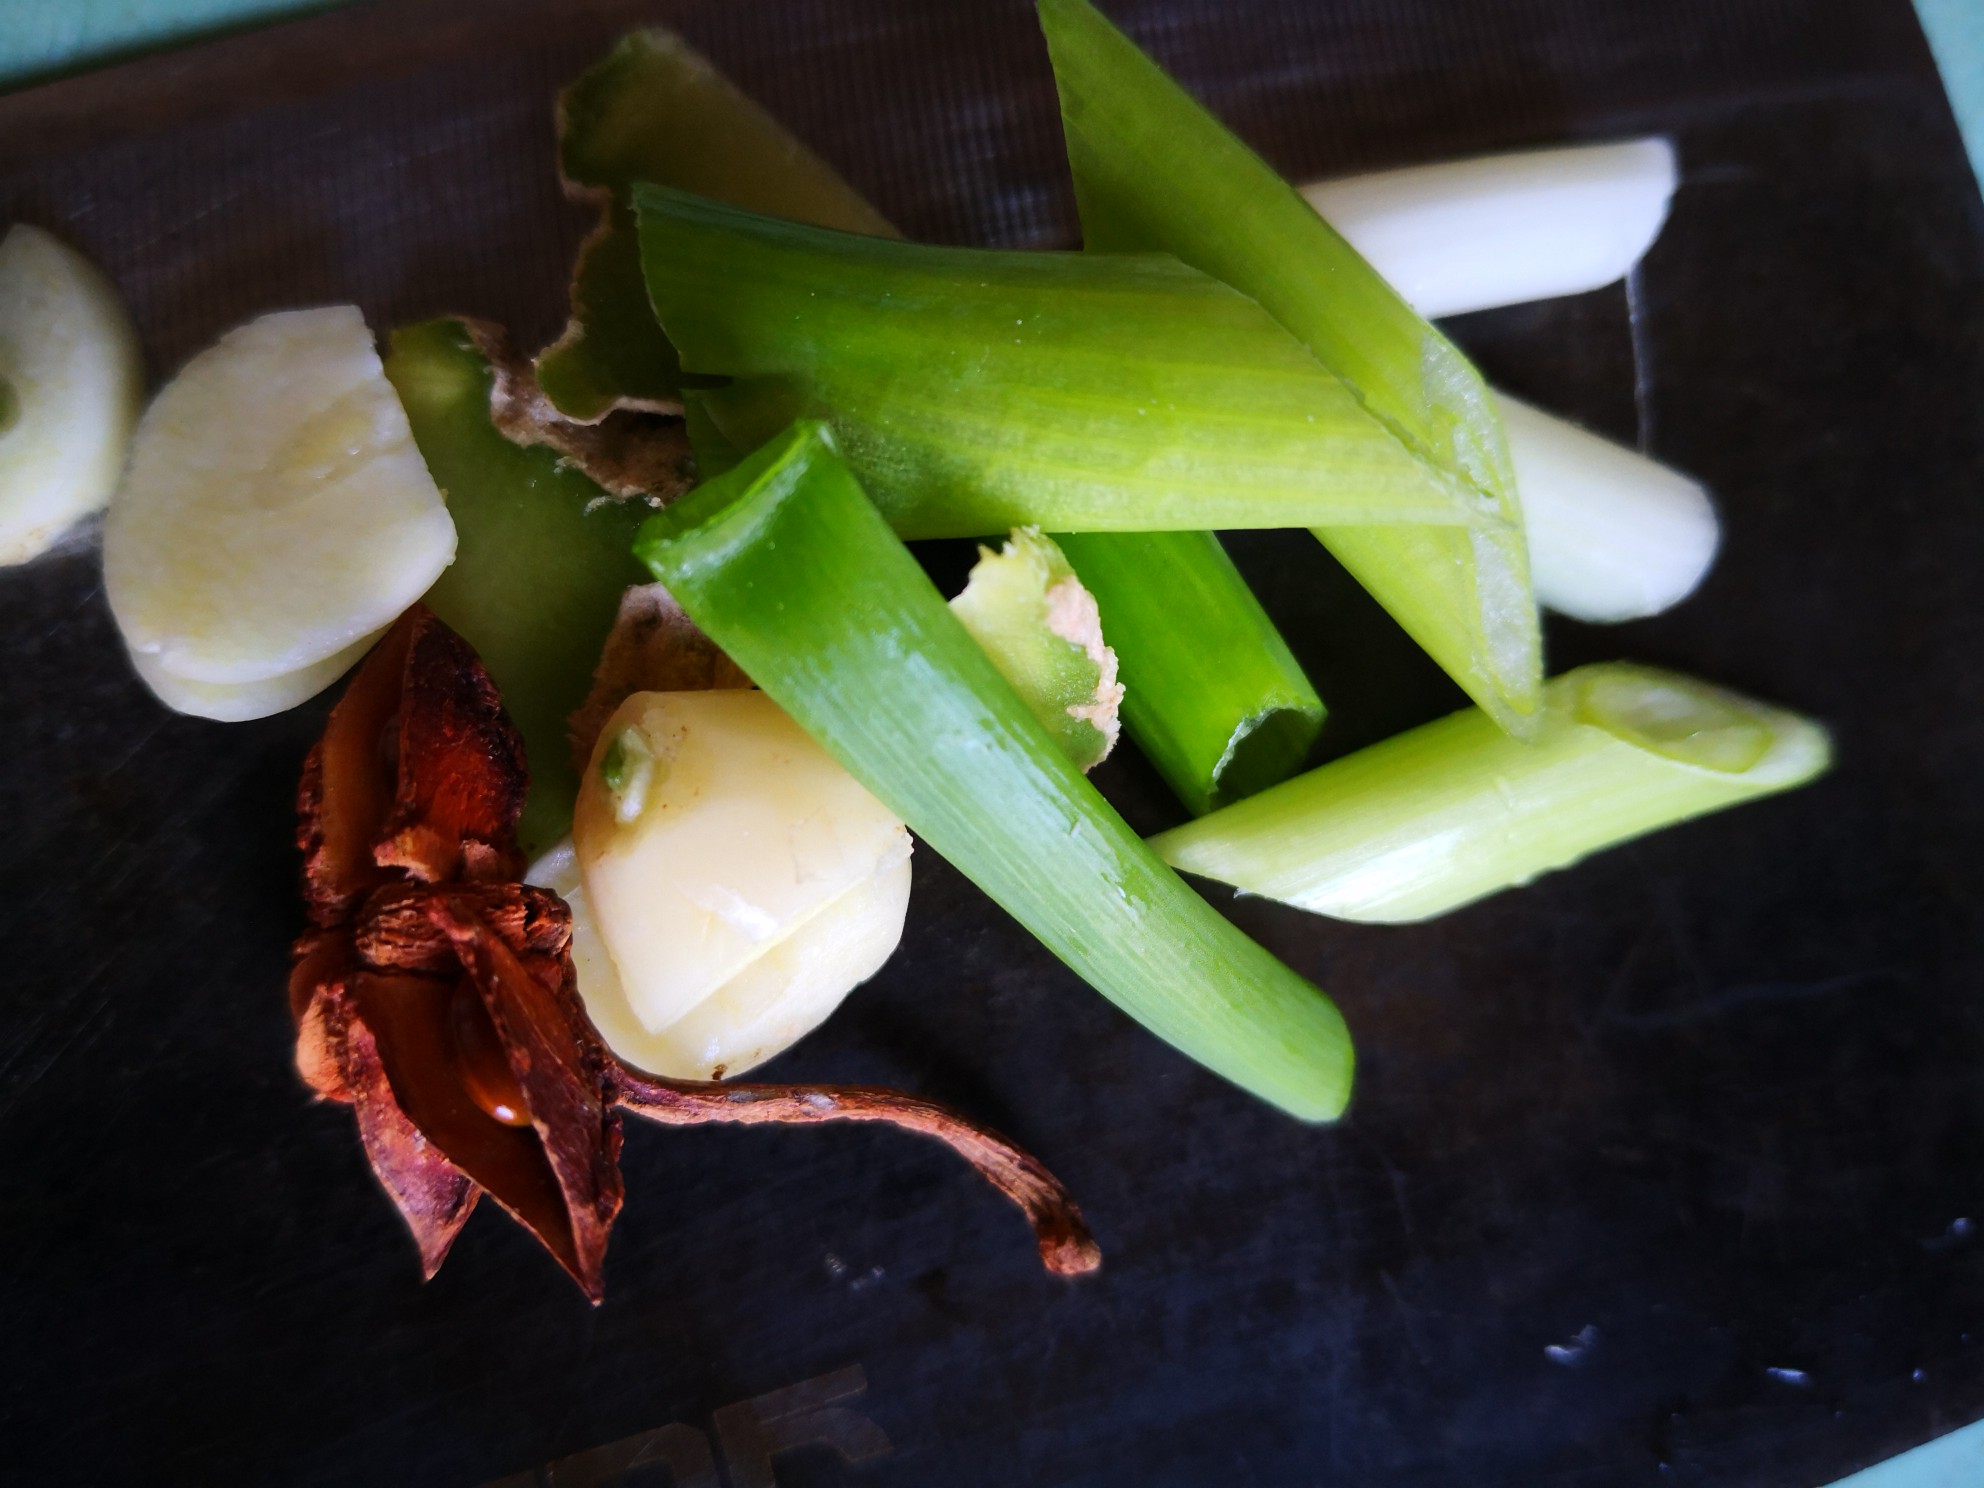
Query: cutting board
x: 1666, y: 1170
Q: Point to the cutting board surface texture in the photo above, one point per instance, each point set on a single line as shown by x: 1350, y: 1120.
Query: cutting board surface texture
x: 1669, y: 1169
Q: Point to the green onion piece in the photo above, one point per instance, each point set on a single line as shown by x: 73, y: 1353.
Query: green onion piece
x: 540, y: 558
x: 714, y: 453
x: 1154, y: 169
x: 977, y: 391
x: 654, y: 109
x: 789, y: 568
x: 1443, y: 815
x: 612, y: 353
x: 1213, y: 695
x: 1030, y: 614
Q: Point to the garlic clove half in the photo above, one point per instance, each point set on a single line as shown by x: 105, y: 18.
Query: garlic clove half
x: 766, y: 1008
x: 727, y: 860
x: 275, y: 513
x: 71, y: 383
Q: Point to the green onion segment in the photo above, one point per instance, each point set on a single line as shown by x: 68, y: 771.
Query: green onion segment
x: 976, y: 390
x: 1212, y: 694
x: 540, y: 558
x: 654, y: 109
x: 1451, y: 812
x: 789, y: 568
x: 1155, y: 170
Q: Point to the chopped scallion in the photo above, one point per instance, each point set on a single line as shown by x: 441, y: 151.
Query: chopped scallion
x: 976, y: 390
x: 1463, y: 235
x: 1214, y: 698
x: 1456, y: 810
x: 655, y: 110
x: 1612, y: 534
x: 789, y: 567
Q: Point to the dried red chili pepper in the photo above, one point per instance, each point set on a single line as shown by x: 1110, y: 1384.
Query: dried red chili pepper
x: 435, y: 994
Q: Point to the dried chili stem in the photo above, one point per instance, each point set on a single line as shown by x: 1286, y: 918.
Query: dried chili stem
x: 1067, y: 1248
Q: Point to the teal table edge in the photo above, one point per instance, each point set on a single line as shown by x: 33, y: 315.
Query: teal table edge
x: 1955, y: 29
x: 44, y: 39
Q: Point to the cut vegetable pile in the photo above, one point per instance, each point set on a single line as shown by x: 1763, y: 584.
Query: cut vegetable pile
x: 649, y: 615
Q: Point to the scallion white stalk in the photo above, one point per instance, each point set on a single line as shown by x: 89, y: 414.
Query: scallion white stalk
x: 1501, y: 229
x: 1454, y: 811
x: 1612, y: 534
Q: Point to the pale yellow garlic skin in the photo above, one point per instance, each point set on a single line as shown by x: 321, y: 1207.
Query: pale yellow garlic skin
x: 275, y: 517
x: 726, y: 903
x: 74, y: 383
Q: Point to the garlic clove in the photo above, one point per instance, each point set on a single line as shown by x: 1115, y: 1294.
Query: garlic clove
x: 71, y: 383
x: 710, y: 828
x: 276, y: 511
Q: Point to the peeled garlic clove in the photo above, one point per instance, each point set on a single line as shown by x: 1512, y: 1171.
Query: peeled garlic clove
x: 790, y: 990
x: 276, y: 511
x: 236, y: 702
x: 766, y: 1008
x: 709, y: 830
x: 71, y: 382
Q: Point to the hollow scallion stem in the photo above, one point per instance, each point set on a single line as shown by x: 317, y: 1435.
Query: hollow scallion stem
x: 976, y: 391
x: 786, y: 564
x: 1155, y: 170
x: 1448, y: 813
x: 1213, y: 697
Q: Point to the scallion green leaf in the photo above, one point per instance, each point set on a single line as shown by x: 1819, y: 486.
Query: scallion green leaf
x: 1445, y: 814
x: 654, y: 109
x: 789, y: 567
x: 1154, y: 170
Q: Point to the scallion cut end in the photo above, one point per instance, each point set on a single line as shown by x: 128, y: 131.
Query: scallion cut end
x: 1451, y: 812
x: 1214, y: 698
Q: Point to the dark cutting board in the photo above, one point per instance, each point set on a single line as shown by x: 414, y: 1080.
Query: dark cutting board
x: 1668, y: 1170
